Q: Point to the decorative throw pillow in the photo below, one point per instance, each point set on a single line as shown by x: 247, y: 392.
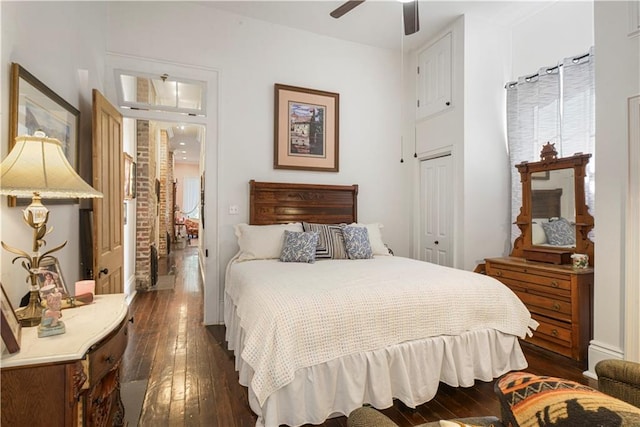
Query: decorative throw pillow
x: 330, y: 240
x: 262, y: 241
x: 356, y: 240
x: 533, y: 400
x: 559, y: 232
x: 375, y: 238
x: 299, y: 246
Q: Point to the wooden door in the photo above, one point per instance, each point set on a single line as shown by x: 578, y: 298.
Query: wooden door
x: 436, y: 211
x: 108, y: 214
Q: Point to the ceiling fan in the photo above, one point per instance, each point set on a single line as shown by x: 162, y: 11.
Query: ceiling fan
x: 409, y: 11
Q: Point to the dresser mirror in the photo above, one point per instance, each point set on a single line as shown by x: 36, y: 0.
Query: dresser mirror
x: 554, y: 220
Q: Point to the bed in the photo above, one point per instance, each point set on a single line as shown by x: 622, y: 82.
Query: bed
x: 320, y: 339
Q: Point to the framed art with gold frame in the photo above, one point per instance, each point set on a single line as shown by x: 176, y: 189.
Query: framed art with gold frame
x: 33, y: 106
x: 10, y: 327
x: 306, y: 129
x: 129, y: 177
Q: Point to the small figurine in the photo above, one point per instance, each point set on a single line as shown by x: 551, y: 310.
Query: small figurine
x: 51, y: 323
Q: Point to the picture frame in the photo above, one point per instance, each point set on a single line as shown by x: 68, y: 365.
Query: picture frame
x: 10, y: 327
x: 49, y: 273
x: 306, y: 129
x: 34, y: 106
x: 129, y: 177
x: 544, y: 175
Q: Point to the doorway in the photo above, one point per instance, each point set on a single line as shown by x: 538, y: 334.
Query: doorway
x: 436, y: 210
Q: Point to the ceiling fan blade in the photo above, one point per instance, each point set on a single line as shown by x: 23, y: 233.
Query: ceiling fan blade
x: 345, y: 7
x: 411, y: 18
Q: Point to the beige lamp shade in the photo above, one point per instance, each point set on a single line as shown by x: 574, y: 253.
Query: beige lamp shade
x: 37, y: 164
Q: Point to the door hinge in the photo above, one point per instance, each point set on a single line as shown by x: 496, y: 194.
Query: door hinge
x: 418, y: 68
x: 418, y: 103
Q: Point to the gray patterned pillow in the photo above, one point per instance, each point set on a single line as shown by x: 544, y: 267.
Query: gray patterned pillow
x: 559, y: 232
x: 299, y: 246
x: 356, y: 240
x: 330, y: 240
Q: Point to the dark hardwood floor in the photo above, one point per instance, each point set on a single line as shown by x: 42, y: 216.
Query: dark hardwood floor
x: 191, y: 375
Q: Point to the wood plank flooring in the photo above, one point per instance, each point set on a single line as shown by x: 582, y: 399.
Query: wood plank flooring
x: 191, y: 375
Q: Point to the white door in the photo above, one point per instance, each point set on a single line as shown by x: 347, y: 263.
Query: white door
x: 436, y: 211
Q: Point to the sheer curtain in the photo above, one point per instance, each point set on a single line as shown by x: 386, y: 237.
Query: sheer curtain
x: 555, y: 105
x: 191, y: 197
x: 533, y: 119
x: 578, y: 116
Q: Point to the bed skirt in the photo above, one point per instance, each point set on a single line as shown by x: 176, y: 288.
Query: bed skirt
x: 410, y: 372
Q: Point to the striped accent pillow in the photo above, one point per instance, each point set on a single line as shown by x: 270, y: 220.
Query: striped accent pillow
x: 330, y: 240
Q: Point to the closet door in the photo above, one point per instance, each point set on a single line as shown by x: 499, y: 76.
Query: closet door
x: 434, y: 78
x: 436, y: 211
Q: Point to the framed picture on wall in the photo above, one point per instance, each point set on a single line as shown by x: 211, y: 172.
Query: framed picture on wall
x: 129, y: 177
x: 306, y: 129
x: 33, y: 106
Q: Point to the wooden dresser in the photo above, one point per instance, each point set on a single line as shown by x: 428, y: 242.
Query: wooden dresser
x: 70, y: 379
x: 559, y: 297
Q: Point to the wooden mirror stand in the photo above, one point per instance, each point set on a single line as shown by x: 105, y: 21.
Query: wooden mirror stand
x: 525, y: 246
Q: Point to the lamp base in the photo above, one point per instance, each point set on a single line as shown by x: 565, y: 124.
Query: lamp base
x: 31, y: 315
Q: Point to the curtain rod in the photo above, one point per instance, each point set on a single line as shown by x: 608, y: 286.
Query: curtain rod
x: 549, y: 70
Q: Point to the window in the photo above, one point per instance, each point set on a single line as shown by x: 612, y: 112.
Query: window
x: 161, y: 93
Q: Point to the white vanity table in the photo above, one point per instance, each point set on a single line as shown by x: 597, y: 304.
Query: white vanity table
x: 70, y: 379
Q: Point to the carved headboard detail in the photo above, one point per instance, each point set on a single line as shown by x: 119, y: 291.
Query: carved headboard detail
x: 279, y: 203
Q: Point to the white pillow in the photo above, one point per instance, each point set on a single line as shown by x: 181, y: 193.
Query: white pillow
x: 262, y: 241
x: 375, y: 238
x: 538, y: 236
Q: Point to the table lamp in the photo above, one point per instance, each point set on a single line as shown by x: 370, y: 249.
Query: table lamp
x: 36, y: 167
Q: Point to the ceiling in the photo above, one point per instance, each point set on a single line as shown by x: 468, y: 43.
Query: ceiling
x: 376, y: 23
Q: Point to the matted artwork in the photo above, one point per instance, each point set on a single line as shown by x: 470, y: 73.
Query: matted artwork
x: 32, y: 107
x: 306, y: 129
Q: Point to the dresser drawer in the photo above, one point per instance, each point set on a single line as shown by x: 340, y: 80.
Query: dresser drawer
x: 553, y: 307
x: 553, y: 331
x: 107, y: 354
x: 541, y: 278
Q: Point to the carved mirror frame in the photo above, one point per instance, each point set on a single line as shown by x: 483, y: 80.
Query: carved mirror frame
x: 523, y: 246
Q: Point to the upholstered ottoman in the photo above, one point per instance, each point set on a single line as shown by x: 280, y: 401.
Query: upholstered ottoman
x: 529, y: 400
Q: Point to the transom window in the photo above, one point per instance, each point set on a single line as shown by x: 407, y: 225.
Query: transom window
x: 161, y: 93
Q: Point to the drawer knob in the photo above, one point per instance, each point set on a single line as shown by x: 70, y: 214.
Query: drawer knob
x: 554, y: 332
x: 554, y: 284
x: 556, y: 306
x: 498, y: 273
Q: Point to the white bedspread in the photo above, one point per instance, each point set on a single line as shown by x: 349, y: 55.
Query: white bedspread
x: 299, y: 315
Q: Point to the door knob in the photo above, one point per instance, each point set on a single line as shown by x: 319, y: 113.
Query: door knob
x: 103, y: 271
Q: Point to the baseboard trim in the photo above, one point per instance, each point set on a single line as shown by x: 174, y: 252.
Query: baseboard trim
x: 600, y: 351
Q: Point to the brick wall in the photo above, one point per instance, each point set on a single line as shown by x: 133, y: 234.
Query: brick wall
x: 144, y: 206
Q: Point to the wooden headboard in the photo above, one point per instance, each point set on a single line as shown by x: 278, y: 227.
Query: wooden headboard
x: 279, y: 203
x: 546, y: 203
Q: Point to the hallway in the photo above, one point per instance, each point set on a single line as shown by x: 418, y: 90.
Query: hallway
x: 191, y: 375
x: 192, y: 380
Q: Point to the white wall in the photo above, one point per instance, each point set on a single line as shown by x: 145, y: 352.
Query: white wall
x: 563, y: 29
x: 617, y: 78
x: 487, y: 219
x: 63, y: 48
x: 129, y: 145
